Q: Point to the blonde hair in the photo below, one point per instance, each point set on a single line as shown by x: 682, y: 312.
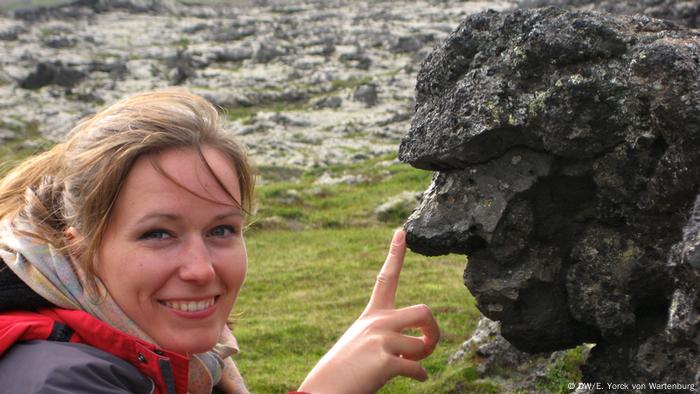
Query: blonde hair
x: 76, y: 183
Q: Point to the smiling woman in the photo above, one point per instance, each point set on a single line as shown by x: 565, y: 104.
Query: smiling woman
x: 171, y: 259
x: 122, y: 256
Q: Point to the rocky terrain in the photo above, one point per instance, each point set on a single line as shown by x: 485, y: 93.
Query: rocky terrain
x: 305, y: 83
x: 568, y: 163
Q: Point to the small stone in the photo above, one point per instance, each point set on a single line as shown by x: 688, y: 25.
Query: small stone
x: 328, y: 102
x: 326, y: 179
x: 398, y: 208
x: 407, y: 44
x: 367, y: 94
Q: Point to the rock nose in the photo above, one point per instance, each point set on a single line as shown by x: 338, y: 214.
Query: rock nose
x: 462, y: 209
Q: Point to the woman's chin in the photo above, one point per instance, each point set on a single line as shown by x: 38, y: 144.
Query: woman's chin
x: 188, y: 347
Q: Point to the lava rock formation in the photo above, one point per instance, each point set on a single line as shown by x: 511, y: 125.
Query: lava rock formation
x: 566, y: 147
x: 686, y: 13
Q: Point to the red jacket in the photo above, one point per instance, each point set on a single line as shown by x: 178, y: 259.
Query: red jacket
x: 168, y: 370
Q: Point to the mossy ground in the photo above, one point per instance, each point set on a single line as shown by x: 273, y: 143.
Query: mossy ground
x: 28, y: 141
x: 246, y: 115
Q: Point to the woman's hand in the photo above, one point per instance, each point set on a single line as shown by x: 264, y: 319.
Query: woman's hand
x: 373, y: 350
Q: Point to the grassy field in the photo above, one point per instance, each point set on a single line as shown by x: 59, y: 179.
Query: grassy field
x: 305, y: 288
x: 308, y: 283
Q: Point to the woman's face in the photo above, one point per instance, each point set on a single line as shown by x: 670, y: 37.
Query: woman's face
x: 172, y: 260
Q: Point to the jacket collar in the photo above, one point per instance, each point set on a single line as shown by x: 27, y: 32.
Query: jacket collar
x: 168, y: 370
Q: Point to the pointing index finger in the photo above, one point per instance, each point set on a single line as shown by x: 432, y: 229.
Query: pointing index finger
x: 384, y: 291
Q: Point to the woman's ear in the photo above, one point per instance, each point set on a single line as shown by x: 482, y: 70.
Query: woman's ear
x: 74, y: 242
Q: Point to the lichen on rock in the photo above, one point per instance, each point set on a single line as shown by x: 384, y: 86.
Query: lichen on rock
x: 568, y: 160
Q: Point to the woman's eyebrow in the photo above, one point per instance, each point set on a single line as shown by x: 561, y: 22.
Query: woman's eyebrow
x: 234, y: 212
x: 173, y: 217
x: 158, y: 215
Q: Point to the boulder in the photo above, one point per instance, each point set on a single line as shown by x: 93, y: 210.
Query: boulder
x: 686, y: 13
x: 232, y: 32
x: 233, y: 53
x: 367, y: 94
x: 10, y: 31
x: 492, y: 350
x: 406, y: 43
x: 567, y: 151
x: 397, y: 207
x: 58, y: 41
x: 358, y: 59
x: 181, y: 65
x: 328, y: 102
x: 52, y: 73
x: 134, y: 6
x: 269, y: 51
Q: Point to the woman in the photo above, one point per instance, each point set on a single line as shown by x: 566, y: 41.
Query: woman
x: 124, y: 255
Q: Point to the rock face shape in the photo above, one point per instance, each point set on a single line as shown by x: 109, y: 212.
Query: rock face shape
x: 567, y: 151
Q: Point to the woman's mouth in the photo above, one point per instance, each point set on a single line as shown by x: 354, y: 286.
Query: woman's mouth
x: 189, y: 306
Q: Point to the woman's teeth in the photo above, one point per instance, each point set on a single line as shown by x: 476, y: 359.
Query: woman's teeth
x: 189, y: 306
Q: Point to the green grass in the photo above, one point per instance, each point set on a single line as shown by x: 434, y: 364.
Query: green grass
x: 563, y: 371
x: 305, y: 288
x: 28, y: 141
x: 341, y: 205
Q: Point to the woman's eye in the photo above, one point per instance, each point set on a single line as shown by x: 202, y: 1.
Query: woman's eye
x: 222, y: 231
x: 155, y: 234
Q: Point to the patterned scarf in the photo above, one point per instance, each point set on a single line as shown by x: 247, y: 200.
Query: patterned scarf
x: 62, y: 282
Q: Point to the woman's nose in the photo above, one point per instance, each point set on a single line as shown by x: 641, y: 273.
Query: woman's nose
x: 196, y: 264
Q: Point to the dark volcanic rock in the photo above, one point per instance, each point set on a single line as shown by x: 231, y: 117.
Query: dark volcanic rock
x: 686, y: 13
x: 80, y: 9
x: 59, y: 41
x: 407, y: 44
x: 367, y: 94
x: 268, y: 51
x: 135, y: 6
x: 11, y: 32
x: 52, y: 73
x: 181, y: 65
x: 568, y: 151
x: 63, y: 11
x: 328, y: 102
x: 233, y: 54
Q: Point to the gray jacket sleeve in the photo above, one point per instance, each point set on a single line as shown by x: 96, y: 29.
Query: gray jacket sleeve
x: 48, y: 367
